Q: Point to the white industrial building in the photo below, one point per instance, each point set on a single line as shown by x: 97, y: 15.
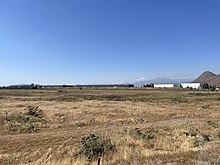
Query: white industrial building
x: 191, y: 85
x: 163, y: 85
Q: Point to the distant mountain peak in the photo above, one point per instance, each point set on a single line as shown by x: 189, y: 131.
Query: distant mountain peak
x: 208, y: 73
x: 208, y: 77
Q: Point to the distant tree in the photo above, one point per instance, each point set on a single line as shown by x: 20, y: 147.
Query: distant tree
x: 213, y: 88
x: 148, y: 85
x: 34, y: 86
x: 205, y: 86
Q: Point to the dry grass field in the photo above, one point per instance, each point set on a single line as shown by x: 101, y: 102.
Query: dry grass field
x: 118, y: 126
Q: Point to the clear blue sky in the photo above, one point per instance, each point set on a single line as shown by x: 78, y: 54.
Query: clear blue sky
x: 99, y: 41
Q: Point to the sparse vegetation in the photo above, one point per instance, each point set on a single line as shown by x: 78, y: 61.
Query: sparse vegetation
x: 19, y: 121
x: 135, y: 126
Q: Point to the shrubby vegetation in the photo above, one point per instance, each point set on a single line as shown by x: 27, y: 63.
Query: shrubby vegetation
x: 94, y: 146
x: 26, y: 122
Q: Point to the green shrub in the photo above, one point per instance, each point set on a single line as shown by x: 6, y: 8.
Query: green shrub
x: 94, y: 146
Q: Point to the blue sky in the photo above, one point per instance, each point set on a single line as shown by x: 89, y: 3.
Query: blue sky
x: 100, y: 41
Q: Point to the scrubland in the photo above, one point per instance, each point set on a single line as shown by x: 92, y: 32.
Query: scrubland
x: 109, y: 127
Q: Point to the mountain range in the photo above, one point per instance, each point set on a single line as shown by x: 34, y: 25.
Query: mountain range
x: 206, y: 77
x: 164, y: 80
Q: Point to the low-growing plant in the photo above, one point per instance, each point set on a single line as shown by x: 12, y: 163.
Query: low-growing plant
x: 94, y: 146
x: 214, y: 124
x: 14, y: 117
x: 218, y: 134
x: 199, y: 141
x: 206, y: 136
x: 14, y: 127
x: 143, y: 135
x: 30, y: 128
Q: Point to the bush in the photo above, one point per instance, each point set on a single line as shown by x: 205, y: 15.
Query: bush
x: 95, y: 146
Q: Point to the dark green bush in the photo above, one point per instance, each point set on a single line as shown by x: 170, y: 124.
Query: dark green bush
x: 94, y: 146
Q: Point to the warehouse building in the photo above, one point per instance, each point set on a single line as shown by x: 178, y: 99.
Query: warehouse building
x: 191, y: 85
x: 164, y: 85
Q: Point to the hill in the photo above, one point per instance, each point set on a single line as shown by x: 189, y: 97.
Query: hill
x: 209, y: 78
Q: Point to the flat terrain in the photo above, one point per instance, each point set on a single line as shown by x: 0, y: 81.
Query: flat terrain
x: 146, y: 126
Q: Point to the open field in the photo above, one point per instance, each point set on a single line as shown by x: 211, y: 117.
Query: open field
x: 145, y: 126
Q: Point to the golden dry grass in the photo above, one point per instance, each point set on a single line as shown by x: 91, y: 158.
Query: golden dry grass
x: 173, y: 116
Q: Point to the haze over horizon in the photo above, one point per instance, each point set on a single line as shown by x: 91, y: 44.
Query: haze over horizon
x: 115, y: 41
